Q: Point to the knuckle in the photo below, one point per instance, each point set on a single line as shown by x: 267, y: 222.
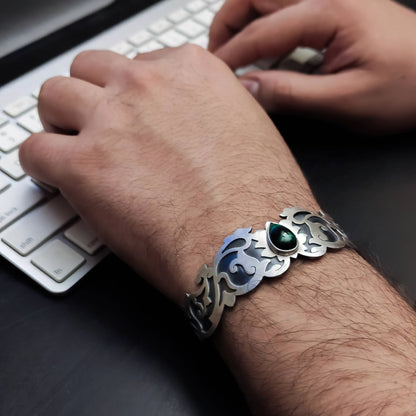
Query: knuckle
x: 134, y: 76
x: 49, y: 87
x: 192, y: 52
x: 282, y: 89
x: 78, y: 60
x: 141, y: 76
x: 130, y: 73
x: 199, y: 59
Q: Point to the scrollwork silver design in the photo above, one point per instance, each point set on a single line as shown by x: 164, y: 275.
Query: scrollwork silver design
x: 246, y: 258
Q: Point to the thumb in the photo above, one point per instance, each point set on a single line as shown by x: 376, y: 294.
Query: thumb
x: 315, y: 95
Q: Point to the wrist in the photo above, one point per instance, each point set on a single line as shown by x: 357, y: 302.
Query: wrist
x: 207, y: 233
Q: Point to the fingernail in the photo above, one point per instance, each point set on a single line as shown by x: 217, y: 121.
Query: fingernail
x: 251, y: 85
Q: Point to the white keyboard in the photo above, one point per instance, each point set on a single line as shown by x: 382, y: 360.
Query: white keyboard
x: 39, y: 232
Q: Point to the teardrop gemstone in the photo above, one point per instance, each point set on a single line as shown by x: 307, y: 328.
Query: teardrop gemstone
x: 282, y: 239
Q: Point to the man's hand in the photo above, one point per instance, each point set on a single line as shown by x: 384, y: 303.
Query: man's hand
x: 368, y: 78
x: 169, y: 154
x: 166, y: 155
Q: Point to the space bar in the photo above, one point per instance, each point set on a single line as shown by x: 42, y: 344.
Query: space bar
x: 38, y: 225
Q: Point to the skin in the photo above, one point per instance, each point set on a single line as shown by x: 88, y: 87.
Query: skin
x: 367, y: 79
x: 199, y: 158
x: 179, y: 188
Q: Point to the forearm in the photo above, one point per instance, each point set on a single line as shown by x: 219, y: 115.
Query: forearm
x: 328, y: 338
x: 325, y: 338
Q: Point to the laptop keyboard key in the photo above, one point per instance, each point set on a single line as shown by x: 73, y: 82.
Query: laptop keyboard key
x: 21, y: 105
x: 4, y: 183
x: 190, y: 28
x: 178, y: 15
x: 153, y: 45
x: 140, y: 37
x: 57, y: 260
x: 10, y: 165
x: 84, y: 237
x: 17, y: 200
x: 160, y: 26
x: 122, y: 48
x: 215, y: 7
x: 205, y: 17
x: 172, y: 39
x: 195, y: 6
x: 11, y: 136
x: 31, y: 121
x: 3, y: 119
x: 201, y: 41
x: 39, y: 225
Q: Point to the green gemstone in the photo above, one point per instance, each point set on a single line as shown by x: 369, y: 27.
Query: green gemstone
x: 282, y: 238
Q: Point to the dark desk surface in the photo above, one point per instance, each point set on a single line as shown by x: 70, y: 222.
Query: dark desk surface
x: 113, y: 346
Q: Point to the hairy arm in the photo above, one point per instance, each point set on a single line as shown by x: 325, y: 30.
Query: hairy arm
x: 199, y: 159
x: 330, y: 338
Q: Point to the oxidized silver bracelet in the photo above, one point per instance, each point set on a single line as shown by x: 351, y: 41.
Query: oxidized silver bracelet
x: 246, y: 258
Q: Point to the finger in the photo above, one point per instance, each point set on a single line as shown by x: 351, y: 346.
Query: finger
x: 66, y: 103
x: 230, y: 19
x: 316, y: 95
x: 274, y: 36
x: 236, y: 14
x: 43, y: 155
x: 97, y: 66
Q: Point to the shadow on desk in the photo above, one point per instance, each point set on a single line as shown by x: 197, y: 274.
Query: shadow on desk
x: 368, y: 184
x: 112, y: 346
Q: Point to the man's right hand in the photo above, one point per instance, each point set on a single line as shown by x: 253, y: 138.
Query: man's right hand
x: 368, y: 78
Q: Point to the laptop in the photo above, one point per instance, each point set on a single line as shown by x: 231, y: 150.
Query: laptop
x: 39, y: 231
x: 25, y: 21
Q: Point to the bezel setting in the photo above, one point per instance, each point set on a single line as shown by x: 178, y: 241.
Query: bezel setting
x: 276, y: 249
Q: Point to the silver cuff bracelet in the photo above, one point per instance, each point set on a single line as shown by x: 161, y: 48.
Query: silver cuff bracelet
x: 246, y: 258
